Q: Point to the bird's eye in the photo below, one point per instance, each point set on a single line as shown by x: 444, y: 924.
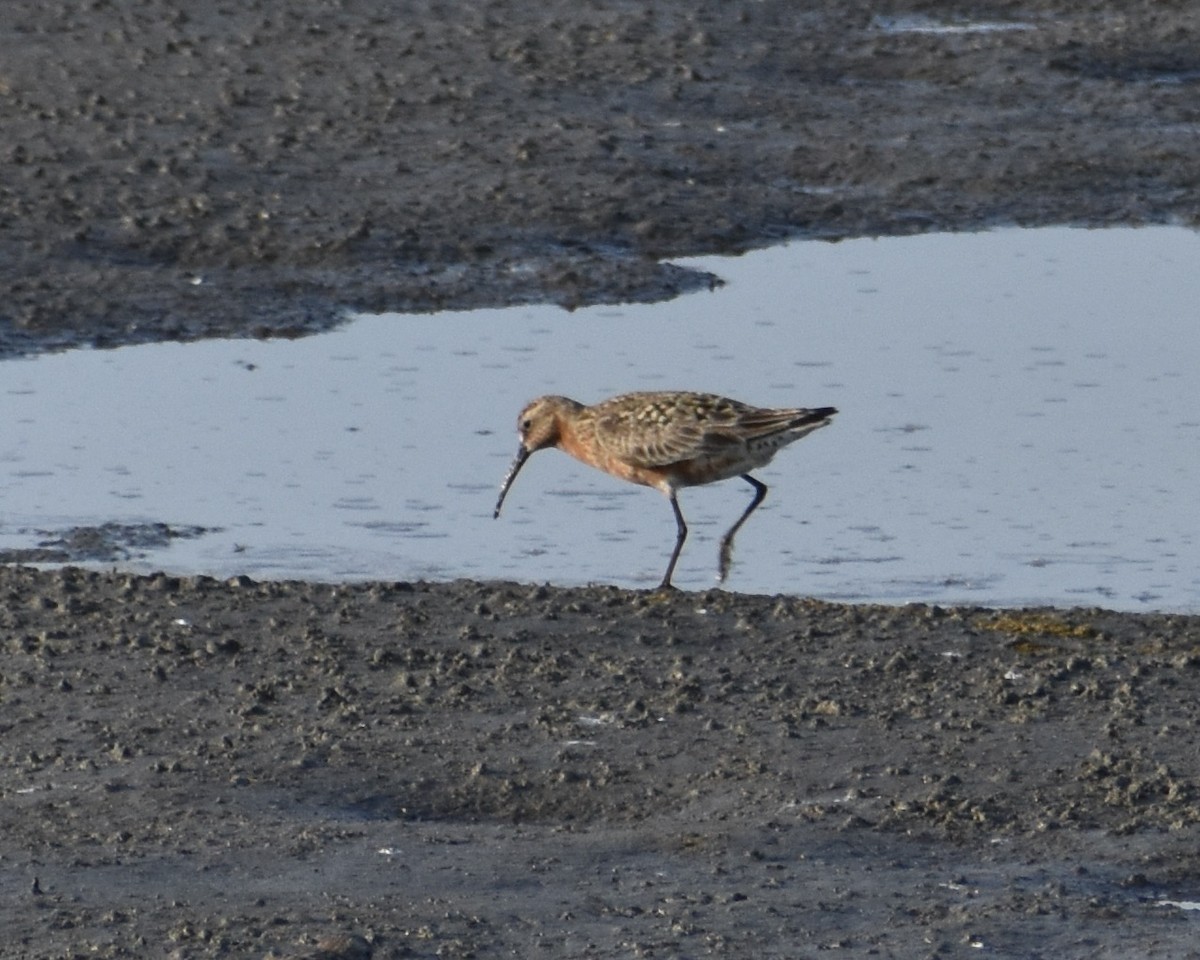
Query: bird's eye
x: 525, y: 425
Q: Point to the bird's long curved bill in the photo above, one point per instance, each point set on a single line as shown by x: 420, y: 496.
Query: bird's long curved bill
x: 522, y: 456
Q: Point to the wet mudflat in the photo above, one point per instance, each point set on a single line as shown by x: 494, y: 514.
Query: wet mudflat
x: 196, y: 768
x: 209, y: 768
x: 172, y: 173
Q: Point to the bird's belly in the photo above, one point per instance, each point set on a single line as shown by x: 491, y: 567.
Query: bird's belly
x: 595, y: 456
x: 693, y: 473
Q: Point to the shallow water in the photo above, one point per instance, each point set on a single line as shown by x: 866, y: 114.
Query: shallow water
x: 917, y: 23
x: 1019, y: 424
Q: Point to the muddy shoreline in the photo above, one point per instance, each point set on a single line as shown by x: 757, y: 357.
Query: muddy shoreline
x: 194, y: 768
x: 257, y: 171
x: 204, y: 768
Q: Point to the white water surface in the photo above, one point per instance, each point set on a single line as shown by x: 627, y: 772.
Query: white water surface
x: 1019, y: 424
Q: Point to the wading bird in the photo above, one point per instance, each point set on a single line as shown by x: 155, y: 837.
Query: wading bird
x: 666, y: 440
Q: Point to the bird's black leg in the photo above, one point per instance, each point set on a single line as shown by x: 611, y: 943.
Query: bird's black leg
x: 680, y: 536
x: 760, y: 491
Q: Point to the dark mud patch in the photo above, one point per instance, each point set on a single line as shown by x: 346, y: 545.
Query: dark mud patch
x: 256, y: 170
x: 475, y: 769
x: 106, y: 543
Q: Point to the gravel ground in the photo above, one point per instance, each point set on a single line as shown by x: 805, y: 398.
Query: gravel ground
x: 195, y: 768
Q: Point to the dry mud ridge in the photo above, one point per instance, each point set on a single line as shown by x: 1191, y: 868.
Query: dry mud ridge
x: 194, y: 769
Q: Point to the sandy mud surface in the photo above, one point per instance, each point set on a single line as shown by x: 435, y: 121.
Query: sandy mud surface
x: 197, y: 768
x: 192, y: 768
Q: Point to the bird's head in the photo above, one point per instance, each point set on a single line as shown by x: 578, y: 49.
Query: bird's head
x: 538, y: 427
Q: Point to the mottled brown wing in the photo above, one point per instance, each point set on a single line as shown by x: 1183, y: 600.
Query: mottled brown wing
x: 657, y: 429
x: 756, y: 422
